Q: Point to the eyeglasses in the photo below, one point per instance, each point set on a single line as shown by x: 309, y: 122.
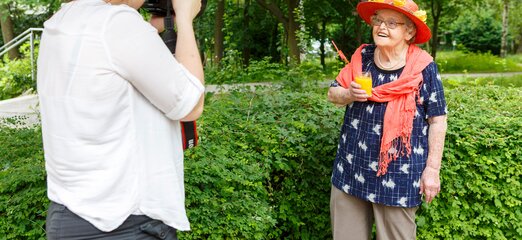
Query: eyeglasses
x: 390, y: 23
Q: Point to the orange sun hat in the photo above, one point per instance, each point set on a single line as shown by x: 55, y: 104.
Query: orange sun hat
x: 407, y: 7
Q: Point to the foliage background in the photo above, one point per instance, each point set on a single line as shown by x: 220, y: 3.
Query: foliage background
x: 263, y: 168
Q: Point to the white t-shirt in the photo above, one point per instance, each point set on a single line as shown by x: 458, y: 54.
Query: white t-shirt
x: 111, y: 95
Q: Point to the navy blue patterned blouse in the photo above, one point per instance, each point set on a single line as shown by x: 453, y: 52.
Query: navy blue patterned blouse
x: 355, y: 166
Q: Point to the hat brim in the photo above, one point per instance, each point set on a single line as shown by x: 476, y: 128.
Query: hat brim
x: 367, y: 9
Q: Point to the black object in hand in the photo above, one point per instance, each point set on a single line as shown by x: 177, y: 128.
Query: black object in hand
x: 159, y: 7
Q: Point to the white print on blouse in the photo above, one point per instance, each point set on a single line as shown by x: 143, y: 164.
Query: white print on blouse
x: 363, y: 146
x: 346, y: 188
x: 373, y: 165
x: 371, y: 197
x: 389, y: 184
x: 340, y: 167
x: 360, y: 178
x: 377, y: 129
x: 349, y: 158
x: 416, y: 184
x: 402, y: 201
x: 369, y: 109
x: 381, y: 77
x: 354, y: 123
x: 405, y: 168
x: 418, y: 150
x: 433, y: 97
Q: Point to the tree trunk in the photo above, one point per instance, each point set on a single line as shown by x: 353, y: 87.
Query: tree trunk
x: 505, y: 27
x: 274, y: 40
x: 201, y: 47
x: 218, y: 32
x: 6, y: 23
x: 358, y: 30
x: 293, y: 27
x: 519, y: 47
x: 321, y: 47
x: 290, y: 25
x: 246, y: 35
x: 434, y: 38
x: 436, y: 10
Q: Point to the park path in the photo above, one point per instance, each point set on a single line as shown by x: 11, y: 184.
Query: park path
x: 25, y: 108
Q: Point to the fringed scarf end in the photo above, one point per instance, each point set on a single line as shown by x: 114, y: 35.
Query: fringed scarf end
x: 391, y: 151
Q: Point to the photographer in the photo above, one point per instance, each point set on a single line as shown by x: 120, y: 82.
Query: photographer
x: 111, y: 98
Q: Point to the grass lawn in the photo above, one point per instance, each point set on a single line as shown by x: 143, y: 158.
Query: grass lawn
x: 460, y: 62
x: 511, y: 81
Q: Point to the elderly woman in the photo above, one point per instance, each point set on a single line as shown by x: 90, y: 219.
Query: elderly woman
x: 391, y: 142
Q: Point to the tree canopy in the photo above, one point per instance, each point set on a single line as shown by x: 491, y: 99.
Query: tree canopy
x: 287, y: 31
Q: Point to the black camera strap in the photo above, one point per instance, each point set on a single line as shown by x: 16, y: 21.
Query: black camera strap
x: 189, y: 135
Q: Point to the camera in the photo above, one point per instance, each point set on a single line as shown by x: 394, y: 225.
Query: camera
x: 159, y: 7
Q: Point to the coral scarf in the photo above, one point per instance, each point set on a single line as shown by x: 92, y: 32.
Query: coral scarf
x: 400, y: 95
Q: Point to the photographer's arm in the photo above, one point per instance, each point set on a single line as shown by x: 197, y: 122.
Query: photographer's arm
x: 139, y: 56
x: 187, y: 53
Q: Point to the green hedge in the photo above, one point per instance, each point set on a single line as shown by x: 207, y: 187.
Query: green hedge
x: 263, y: 166
x: 23, y: 199
x: 263, y: 169
x: 481, y: 194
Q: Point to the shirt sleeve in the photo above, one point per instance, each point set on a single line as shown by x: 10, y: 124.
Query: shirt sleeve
x: 139, y: 55
x: 436, y: 103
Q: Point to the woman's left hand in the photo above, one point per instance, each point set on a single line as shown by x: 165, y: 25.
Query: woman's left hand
x: 430, y: 183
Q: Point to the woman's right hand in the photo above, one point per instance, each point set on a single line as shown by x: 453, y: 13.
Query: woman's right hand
x: 356, y: 93
x: 186, y: 9
x: 341, y: 96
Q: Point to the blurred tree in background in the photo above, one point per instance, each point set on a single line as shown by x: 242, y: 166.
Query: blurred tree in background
x: 291, y: 31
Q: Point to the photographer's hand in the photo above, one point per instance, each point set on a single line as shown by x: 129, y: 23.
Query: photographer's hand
x: 186, y: 9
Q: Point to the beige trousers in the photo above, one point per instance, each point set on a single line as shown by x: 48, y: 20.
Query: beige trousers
x: 353, y: 218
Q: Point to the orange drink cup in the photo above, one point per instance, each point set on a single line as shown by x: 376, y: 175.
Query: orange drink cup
x: 365, y: 81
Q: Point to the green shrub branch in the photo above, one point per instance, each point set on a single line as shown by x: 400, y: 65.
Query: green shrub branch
x: 262, y: 170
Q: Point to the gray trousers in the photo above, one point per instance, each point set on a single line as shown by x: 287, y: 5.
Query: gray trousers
x: 353, y: 218
x: 63, y: 224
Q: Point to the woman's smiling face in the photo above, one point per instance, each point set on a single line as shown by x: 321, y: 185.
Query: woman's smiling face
x: 390, y: 28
